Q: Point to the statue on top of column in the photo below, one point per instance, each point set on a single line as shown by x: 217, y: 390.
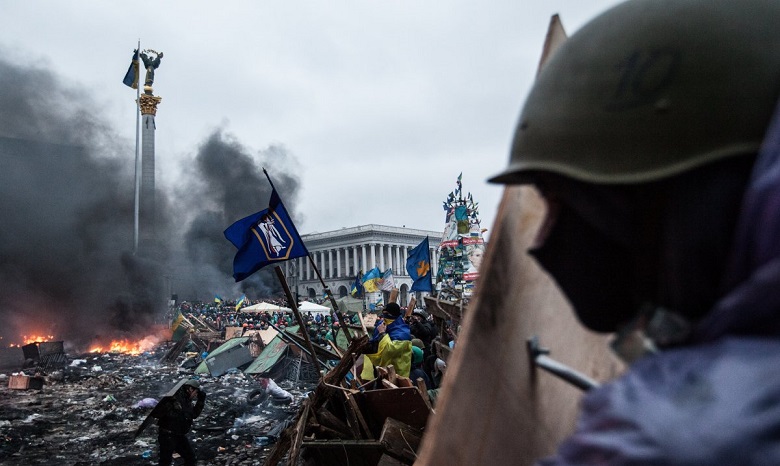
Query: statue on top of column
x: 150, y: 63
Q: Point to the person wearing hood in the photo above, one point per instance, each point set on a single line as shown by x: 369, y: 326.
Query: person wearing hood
x: 651, y: 137
x: 390, y: 344
x: 175, y: 421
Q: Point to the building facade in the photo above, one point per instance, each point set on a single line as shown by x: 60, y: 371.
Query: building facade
x: 339, y: 255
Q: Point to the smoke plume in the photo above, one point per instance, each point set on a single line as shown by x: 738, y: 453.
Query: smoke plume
x: 67, y: 266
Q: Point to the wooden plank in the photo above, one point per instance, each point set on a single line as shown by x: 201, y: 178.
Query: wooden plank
x: 392, y: 376
x: 300, y: 429
x: 402, y: 381
x: 337, y: 374
x: 387, y: 384
x: 352, y: 420
x: 343, y: 452
x: 423, y: 389
x: 291, y: 436
x: 341, y: 444
x: 403, y: 404
x: 353, y: 406
x: 331, y: 421
x: 400, y: 440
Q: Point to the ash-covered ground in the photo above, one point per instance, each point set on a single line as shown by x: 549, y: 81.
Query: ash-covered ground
x: 85, y: 414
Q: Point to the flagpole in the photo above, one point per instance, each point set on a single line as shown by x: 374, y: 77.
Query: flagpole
x: 333, y: 302
x: 430, y: 266
x: 137, y: 153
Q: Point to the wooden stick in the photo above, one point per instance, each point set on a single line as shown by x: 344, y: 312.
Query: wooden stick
x: 410, y: 307
x: 298, y: 317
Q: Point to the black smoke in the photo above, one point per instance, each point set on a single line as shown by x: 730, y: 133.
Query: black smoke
x: 224, y: 182
x: 67, y: 265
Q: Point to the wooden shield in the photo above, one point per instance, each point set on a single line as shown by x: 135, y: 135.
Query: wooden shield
x: 495, y: 407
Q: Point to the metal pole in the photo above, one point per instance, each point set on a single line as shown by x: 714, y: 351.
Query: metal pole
x: 539, y: 358
x: 137, y: 154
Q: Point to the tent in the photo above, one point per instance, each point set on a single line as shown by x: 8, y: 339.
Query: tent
x: 308, y: 306
x: 348, y: 304
x: 233, y: 353
x: 265, y: 307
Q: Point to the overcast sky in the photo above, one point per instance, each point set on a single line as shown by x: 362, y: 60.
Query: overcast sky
x: 380, y: 103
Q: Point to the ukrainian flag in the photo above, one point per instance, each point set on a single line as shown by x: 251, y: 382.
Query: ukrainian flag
x: 371, y: 280
x: 357, y: 286
x: 240, y: 302
x: 177, y: 329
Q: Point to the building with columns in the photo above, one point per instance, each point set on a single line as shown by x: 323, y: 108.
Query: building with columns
x: 340, y: 254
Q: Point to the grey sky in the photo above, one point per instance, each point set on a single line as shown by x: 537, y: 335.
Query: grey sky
x: 382, y: 104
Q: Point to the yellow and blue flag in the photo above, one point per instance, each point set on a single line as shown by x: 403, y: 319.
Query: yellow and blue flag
x: 418, y: 265
x: 371, y: 280
x: 131, y: 77
x: 218, y: 299
x: 357, y: 286
x: 264, y: 238
x: 177, y: 329
x: 240, y: 302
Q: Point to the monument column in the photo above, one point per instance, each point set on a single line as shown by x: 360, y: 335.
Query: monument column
x: 148, y: 103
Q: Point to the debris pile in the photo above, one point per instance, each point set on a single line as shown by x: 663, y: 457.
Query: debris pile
x: 380, y: 422
x: 87, y: 410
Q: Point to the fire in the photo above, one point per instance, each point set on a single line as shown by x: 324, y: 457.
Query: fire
x: 36, y: 339
x: 126, y: 346
x: 27, y: 339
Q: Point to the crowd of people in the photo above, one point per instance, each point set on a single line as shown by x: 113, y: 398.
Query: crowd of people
x: 415, y: 353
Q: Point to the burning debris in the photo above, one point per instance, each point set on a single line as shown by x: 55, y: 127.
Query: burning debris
x: 85, y: 411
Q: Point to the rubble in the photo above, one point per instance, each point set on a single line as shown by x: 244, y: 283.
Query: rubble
x: 88, y: 409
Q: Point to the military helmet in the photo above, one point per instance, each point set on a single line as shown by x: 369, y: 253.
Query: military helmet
x: 651, y: 89
x: 192, y: 383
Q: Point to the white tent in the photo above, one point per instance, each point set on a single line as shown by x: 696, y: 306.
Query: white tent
x: 308, y: 306
x: 265, y: 307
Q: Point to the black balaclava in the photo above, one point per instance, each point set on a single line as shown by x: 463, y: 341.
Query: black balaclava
x: 614, y: 249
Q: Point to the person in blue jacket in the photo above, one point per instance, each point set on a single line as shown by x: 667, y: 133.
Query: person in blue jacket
x: 653, y: 136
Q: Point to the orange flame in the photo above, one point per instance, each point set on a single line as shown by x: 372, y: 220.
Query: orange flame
x: 27, y: 339
x: 36, y: 339
x: 126, y: 346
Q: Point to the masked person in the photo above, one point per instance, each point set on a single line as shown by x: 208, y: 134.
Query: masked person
x: 643, y: 133
x: 175, y: 421
x: 390, y: 344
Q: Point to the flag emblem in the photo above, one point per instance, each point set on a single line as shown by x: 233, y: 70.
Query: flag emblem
x: 276, y: 242
x: 423, y: 267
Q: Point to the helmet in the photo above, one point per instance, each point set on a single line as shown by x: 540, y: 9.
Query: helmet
x: 651, y: 89
x: 192, y: 383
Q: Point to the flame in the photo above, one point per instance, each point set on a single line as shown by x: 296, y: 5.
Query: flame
x: 27, y: 339
x: 126, y: 346
x: 36, y: 338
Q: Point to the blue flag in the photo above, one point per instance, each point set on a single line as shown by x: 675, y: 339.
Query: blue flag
x: 131, y: 77
x: 267, y: 237
x: 357, y: 286
x: 418, y: 265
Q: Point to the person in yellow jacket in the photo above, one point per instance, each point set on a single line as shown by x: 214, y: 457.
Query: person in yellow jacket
x: 391, y: 344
